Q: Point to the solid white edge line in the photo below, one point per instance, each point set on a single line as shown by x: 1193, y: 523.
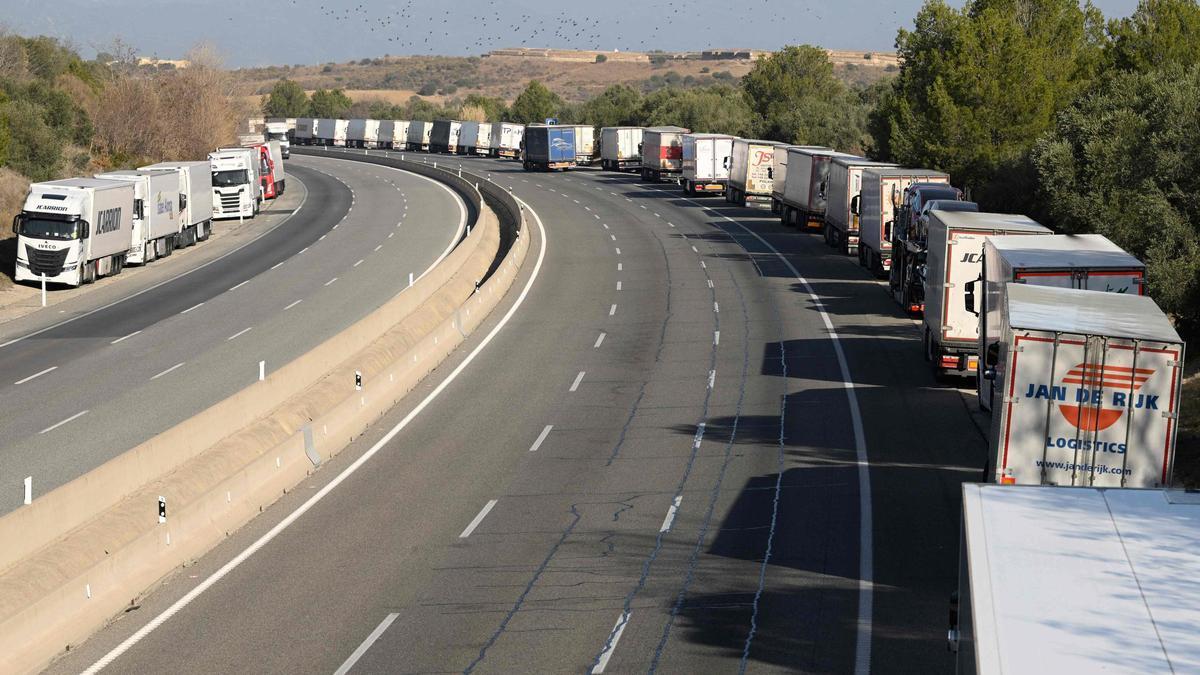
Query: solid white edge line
x: 72, y: 418
x: 866, y: 556
x: 122, y: 339
x: 262, y: 541
x: 487, y: 508
x: 541, y: 438
x: 578, y: 379
x: 177, y: 365
x: 618, y: 628
x: 366, y: 644
x: 670, y: 519
x: 36, y: 375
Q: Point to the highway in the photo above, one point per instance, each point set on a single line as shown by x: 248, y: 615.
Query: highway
x: 127, y: 362
x: 700, y: 443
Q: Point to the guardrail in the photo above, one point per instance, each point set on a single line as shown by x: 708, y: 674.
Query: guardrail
x: 86, y: 550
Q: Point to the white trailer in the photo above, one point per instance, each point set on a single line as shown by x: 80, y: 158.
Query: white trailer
x: 1087, y: 261
x: 662, y: 153
x: 1076, y: 580
x: 419, y: 135
x: 362, y: 133
x: 475, y: 138
x: 750, y: 171
x: 953, y: 259
x: 779, y: 171
x: 585, y: 144
x: 195, y: 198
x: 306, y: 131
x: 621, y: 148
x: 706, y: 159
x: 805, y: 185
x: 506, y: 139
x: 1089, y: 388
x: 236, y: 186
x: 400, y: 135
x: 340, y: 130
x: 844, y: 197
x: 156, y: 221
x: 275, y: 150
x: 73, y: 231
x: 882, y: 194
x: 387, y: 133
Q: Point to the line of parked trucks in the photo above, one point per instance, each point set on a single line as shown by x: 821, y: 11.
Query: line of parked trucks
x: 76, y: 230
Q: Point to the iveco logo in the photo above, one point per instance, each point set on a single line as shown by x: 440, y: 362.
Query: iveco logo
x: 45, y: 246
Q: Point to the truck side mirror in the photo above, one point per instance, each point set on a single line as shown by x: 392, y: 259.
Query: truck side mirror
x: 854, y: 204
x: 887, y: 230
x: 969, y: 297
x: 16, y: 225
x: 139, y: 209
x: 725, y: 162
x: 84, y: 230
x: 182, y: 200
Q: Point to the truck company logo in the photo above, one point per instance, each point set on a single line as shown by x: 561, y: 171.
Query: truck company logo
x: 1087, y: 407
x: 164, y: 206
x: 972, y: 258
x: 764, y: 157
x: 108, y: 221
x: 560, y: 144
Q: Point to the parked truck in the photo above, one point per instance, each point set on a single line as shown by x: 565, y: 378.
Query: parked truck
x: 195, y: 197
x: 779, y: 170
x: 341, y: 129
x: 621, y: 148
x: 419, y: 135
x: 1089, y: 389
x: 953, y: 259
x: 906, y: 278
x: 548, y: 147
x: 74, y: 231
x: 235, y: 183
x: 362, y: 133
x: 445, y: 135
x: 387, y: 134
x: 475, y: 138
x: 585, y: 144
x: 156, y: 222
x: 267, y: 183
x: 844, y: 201
x: 750, y: 171
x: 278, y: 131
x: 662, y: 153
x: 1082, y: 580
x: 506, y: 139
x: 805, y: 186
x: 1087, y: 261
x: 305, y: 132
x: 882, y: 194
x: 706, y: 159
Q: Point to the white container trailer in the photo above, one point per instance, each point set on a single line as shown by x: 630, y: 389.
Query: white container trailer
x: 805, y: 186
x: 419, y: 135
x: 953, y: 260
x: 387, y: 134
x: 750, y: 171
x: 779, y: 171
x: 1087, y: 261
x: 195, y: 197
x: 362, y: 133
x: 305, y: 131
x: 156, y: 221
x: 400, y: 135
x: 506, y: 139
x: 621, y: 148
x: 706, y: 159
x: 882, y: 194
x: 475, y: 138
x: 1076, y: 580
x: 341, y: 129
x: 843, y: 205
x: 1089, y: 387
x: 585, y: 144
x: 662, y: 153
x: 73, y: 231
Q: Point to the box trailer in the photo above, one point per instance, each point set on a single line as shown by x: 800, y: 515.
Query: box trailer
x: 953, y: 259
x: 549, y: 147
x: 195, y: 197
x: 445, y: 136
x: 662, y: 153
x: 475, y: 138
x: 779, y: 168
x: 1087, y: 261
x: 621, y: 148
x: 362, y: 133
x: 750, y: 171
x: 73, y: 231
x: 805, y: 186
x: 419, y: 135
x: 882, y: 194
x: 506, y: 139
x: 1088, y: 389
x: 844, y: 201
x: 387, y: 134
x: 340, y: 130
x: 156, y: 222
x: 305, y: 131
x: 1076, y: 580
x: 585, y: 144
x: 706, y: 159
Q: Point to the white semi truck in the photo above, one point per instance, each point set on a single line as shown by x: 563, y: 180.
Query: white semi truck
x: 506, y: 139
x: 621, y: 148
x: 362, y: 133
x: 1088, y: 389
x: 1087, y: 261
x: 844, y: 201
x: 1076, y: 580
x: 74, y: 231
x: 236, y: 189
x: 953, y: 259
x: 882, y: 195
x: 750, y: 171
x: 706, y: 159
x: 662, y: 153
x: 419, y: 135
x: 156, y: 221
x: 195, y: 197
x: 278, y: 131
x: 804, y: 185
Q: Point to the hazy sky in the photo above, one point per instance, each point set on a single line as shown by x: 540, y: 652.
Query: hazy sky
x: 264, y: 32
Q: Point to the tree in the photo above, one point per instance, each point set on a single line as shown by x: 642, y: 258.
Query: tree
x: 535, y: 104
x: 718, y: 109
x: 601, y: 58
x: 286, y: 99
x: 1158, y: 34
x: 33, y: 148
x: 618, y: 105
x: 493, y: 108
x: 330, y: 103
x: 798, y: 99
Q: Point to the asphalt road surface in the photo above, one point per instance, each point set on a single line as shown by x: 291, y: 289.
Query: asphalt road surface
x: 700, y: 443
x: 76, y: 394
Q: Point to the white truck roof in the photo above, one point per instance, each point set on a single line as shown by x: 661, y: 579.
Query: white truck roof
x: 94, y: 183
x: 980, y: 220
x: 1082, y: 312
x: 1083, y: 580
x: 1085, y: 251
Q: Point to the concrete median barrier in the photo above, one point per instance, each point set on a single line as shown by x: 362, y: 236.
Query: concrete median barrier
x: 87, y: 550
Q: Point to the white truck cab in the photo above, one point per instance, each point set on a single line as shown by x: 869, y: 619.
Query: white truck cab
x: 73, y: 231
x: 278, y: 131
x: 235, y: 183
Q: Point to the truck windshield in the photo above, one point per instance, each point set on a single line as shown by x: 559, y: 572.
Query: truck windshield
x: 276, y: 136
x: 230, y: 178
x: 49, y: 228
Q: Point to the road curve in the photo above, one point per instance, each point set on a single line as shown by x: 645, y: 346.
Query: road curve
x: 654, y: 465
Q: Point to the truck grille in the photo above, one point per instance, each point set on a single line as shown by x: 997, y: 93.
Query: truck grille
x: 49, y: 263
x: 231, y: 202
